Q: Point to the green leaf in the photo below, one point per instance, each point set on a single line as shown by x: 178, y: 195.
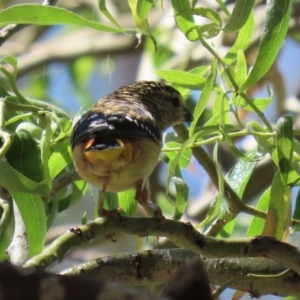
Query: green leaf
x: 285, y: 136
x: 243, y: 40
x: 241, y: 68
x: 84, y: 219
x: 207, y: 13
x: 241, y: 11
x: 294, y: 171
x: 296, y: 214
x: 279, y: 212
x: 182, y: 193
x: 111, y: 201
x: 219, y: 172
x: 274, y: 32
x: 65, y: 126
x: 237, y: 178
x: 59, y: 159
x: 33, y: 214
x: 205, y: 96
x: 24, y: 155
x: 12, y: 61
x: 207, y: 30
x: 143, y: 7
x: 261, y: 103
x: 47, y: 15
x: 127, y: 202
x: 185, y: 22
x: 257, y: 224
x: 15, y: 181
x: 79, y: 189
x: 33, y: 131
x: 227, y: 230
x: 239, y: 175
x: 221, y: 109
x: 104, y: 10
x: 45, y: 148
x: 182, y: 78
x: 141, y: 23
x: 184, y: 159
x: 223, y: 7
x: 173, y: 163
x: 232, y: 146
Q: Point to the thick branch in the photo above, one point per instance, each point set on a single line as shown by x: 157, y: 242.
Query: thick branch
x: 157, y: 266
x: 181, y: 234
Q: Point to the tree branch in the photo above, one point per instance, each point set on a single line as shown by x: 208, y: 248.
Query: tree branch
x: 181, y: 234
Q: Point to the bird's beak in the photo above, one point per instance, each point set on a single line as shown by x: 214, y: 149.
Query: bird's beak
x: 187, y: 115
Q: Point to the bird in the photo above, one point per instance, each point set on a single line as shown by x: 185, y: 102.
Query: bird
x: 116, y: 144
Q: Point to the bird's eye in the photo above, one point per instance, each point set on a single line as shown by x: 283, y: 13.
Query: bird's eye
x: 175, y: 102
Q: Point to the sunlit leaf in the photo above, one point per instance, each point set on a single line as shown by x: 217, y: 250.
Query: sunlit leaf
x: 143, y: 7
x: 279, y: 212
x: 185, y: 22
x: 274, y: 33
x: 185, y: 79
x: 285, y: 136
x: 127, y: 202
x: 33, y: 214
x: 184, y: 159
x: 257, y: 224
x: 243, y: 40
x: 182, y: 192
x: 241, y: 11
x: 47, y: 15
x: 59, y: 159
x: 104, y: 10
x: 204, y: 97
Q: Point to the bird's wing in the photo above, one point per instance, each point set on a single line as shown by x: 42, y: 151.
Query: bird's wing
x: 97, y: 125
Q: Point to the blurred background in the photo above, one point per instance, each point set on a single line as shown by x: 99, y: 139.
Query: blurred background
x: 73, y: 67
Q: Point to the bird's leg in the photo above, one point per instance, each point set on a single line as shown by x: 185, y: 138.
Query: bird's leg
x: 142, y: 196
x: 102, y: 212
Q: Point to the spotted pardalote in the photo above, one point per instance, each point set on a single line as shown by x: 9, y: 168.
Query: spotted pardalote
x: 117, y: 142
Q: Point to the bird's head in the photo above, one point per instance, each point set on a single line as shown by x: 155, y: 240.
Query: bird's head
x: 159, y: 102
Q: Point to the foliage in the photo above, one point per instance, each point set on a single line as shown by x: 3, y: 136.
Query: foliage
x: 35, y: 158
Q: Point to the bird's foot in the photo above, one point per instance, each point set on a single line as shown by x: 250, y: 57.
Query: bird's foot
x: 102, y: 212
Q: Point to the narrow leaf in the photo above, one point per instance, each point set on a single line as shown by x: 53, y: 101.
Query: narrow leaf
x: 13, y: 180
x: 143, y: 7
x: 296, y: 214
x: 185, y: 22
x: 284, y: 132
x: 184, y: 159
x: 274, y: 33
x: 104, y: 10
x: 182, y: 193
x: 59, y: 159
x: 127, y: 202
x: 239, y: 16
x: 279, y: 212
x: 47, y: 15
x: 33, y: 214
x: 205, y: 96
x: 257, y: 224
x: 243, y: 39
x: 182, y: 78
